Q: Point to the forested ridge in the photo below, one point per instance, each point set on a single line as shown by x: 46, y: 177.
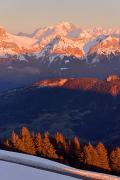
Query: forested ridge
x: 67, y: 151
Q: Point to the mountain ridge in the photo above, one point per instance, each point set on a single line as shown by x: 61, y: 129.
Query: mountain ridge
x: 69, y: 36
x: 86, y: 107
x: 111, y: 85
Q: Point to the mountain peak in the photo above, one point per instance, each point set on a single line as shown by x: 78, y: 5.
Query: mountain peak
x: 64, y: 27
x: 65, y: 24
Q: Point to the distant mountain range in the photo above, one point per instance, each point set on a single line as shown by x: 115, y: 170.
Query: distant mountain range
x: 62, y: 50
x: 86, y: 107
x: 63, y: 39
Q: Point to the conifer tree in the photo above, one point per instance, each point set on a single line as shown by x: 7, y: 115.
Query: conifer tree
x: 103, y: 156
x: 91, y: 156
x: 14, y: 138
x: 75, y: 151
x: 115, y: 160
x: 20, y: 146
x: 38, y: 143
x: 61, y: 144
x: 27, y: 141
x: 47, y: 148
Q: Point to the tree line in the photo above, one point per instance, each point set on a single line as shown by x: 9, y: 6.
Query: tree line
x: 67, y: 151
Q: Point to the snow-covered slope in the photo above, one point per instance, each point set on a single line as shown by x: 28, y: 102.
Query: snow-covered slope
x: 20, y: 166
x: 69, y: 40
x: 17, y: 172
x: 63, y: 29
x: 62, y: 46
x: 15, y: 46
x: 107, y: 45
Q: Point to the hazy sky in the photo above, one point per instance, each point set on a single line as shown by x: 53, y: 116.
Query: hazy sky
x: 27, y: 15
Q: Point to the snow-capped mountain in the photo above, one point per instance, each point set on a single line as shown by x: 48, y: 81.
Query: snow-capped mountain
x: 61, y: 39
x: 64, y: 29
x: 68, y: 40
x: 107, y: 45
x: 61, y: 50
x: 12, y: 46
x: 63, y: 46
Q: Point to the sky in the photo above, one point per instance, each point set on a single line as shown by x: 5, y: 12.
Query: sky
x: 28, y: 15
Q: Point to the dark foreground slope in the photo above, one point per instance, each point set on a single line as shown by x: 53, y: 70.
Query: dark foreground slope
x: 88, y: 108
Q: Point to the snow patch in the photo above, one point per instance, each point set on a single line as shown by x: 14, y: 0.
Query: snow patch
x: 63, y: 68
